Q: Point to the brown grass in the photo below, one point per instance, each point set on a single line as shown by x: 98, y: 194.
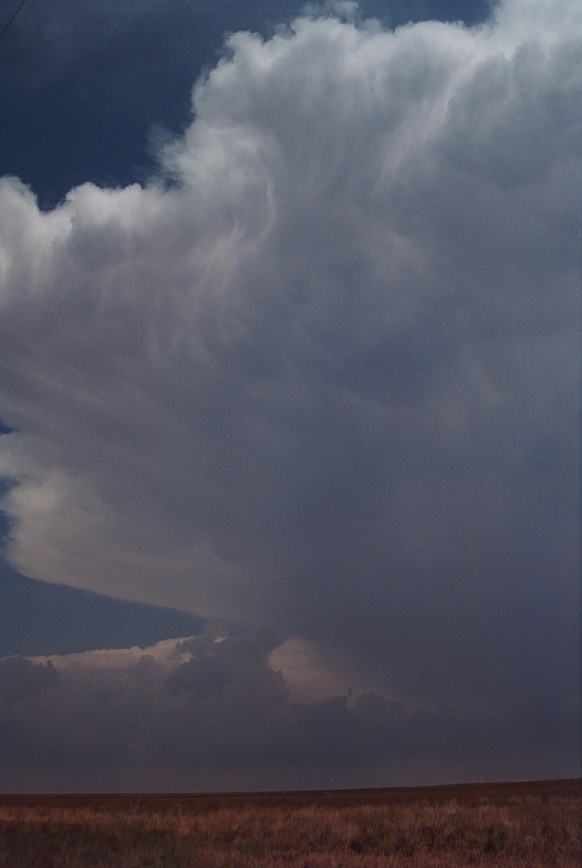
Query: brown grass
x: 531, y: 825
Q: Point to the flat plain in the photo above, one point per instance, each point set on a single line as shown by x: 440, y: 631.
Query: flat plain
x: 525, y: 824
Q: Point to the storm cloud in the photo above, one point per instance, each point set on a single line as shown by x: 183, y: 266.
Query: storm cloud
x: 204, y: 714
x: 319, y: 374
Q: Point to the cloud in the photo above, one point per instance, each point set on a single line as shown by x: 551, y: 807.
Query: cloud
x: 199, y: 714
x: 20, y: 677
x: 319, y: 375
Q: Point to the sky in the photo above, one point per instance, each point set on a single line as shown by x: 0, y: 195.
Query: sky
x: 289, y: 390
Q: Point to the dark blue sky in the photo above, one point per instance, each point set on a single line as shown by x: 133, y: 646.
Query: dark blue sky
x: 85, y: 90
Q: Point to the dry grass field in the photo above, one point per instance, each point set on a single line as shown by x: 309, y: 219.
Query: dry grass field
x: 522, y: 824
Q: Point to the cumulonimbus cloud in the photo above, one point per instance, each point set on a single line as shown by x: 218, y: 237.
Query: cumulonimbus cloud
x: 320, y: 372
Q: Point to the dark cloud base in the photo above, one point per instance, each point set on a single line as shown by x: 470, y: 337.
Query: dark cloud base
x: 216, y: 716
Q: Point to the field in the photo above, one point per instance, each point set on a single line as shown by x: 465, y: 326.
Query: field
x: 511, y: 824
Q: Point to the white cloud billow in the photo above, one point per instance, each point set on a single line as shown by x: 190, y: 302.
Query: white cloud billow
x: 320, y: 372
